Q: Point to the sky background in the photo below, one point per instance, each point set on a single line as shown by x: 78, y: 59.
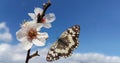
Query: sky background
x: 99, y: 21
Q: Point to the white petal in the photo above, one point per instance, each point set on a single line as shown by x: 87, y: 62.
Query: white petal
x: 38, y: 10
x: 49, y: 17
x: 27, y: 44
x: 29, y: 24
x: 32, y: 15
x: 20, y: 34
x: 32, y: 23
x: 43, y: 35
x: 39, y: 26
x: 39, y: 42
x: 47, y: 25
x: 35, y: 25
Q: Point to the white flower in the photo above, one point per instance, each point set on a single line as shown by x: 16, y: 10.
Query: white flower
x: 46, y: 20
x: 29, y: 34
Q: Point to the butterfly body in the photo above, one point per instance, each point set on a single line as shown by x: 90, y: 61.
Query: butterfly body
x: 65, y: 45
x: 62, y: 43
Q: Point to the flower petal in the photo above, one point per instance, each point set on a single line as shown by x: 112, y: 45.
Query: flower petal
x: 32, y: 15
x: 43, y: 35
x: 38, y: 10
x: 47, y: 25
x: 21, y: 34
x: 39, y: 42
x: 26, y: 44
x: 49, y: 17
x: 28, y: 24
x: 38, y: 26
x: 33, y: 24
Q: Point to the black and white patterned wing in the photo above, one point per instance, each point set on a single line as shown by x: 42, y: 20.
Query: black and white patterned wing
x: 65, y: 45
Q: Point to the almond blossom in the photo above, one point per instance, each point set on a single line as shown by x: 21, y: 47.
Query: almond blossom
x: 29, y: 34
x: 46, y: 20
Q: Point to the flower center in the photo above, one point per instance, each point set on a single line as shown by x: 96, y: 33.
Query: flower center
x: 43, y: 20
x: 32, y: 34
x: 39, y: 18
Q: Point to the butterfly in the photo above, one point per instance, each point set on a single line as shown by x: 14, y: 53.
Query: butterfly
x: 64, y: 46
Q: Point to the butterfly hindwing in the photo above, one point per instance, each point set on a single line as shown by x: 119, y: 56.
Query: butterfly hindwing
x: 65, y: 45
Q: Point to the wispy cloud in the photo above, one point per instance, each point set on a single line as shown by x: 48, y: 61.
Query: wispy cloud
x: 14, y: 54
x: 5, y: 35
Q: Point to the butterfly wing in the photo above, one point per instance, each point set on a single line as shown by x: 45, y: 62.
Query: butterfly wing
x: 65, y: 45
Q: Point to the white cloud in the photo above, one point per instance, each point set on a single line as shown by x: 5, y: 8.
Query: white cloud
x: 14, y: 54
x: 5, y: 35
x: 11, y: 54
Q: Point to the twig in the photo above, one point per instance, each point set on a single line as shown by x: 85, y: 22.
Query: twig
x: 45, y: 7
x: 28, y: 57
x: 34, y: 54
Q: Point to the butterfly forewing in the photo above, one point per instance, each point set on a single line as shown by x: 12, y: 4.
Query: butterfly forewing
x: 65, y: 45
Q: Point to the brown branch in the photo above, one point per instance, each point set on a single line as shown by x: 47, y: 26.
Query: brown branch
x: 34, y: 54
x: 28, y: 57
x: 45, y: 7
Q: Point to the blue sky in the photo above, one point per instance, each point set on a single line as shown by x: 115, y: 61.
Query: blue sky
x: 99, y: 21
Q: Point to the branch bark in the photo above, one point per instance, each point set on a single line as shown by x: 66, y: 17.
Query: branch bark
x: 28, y: 57
x: 34, y: 54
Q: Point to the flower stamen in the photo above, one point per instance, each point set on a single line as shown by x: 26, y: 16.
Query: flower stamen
x: 32, y: 34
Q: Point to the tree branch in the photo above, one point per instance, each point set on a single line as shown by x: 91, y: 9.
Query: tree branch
x: 28, y: 57
x: 34, y: 54
x: 45, y: 7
